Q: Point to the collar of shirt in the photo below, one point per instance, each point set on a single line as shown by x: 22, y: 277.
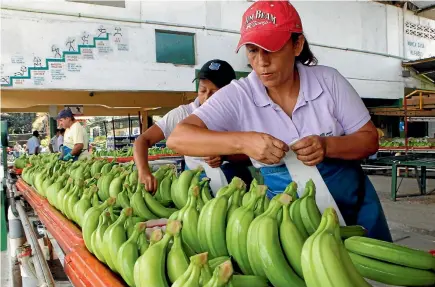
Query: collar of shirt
x: 310, y: 88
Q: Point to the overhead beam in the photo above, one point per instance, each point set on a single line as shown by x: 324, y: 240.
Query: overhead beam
x: 91, y: 111
x: 13, y: 99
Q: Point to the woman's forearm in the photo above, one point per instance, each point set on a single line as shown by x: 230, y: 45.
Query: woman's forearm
x: 352, y: 147
x: 140, y: 149
x: 140, y: 153
x: 193, y: 140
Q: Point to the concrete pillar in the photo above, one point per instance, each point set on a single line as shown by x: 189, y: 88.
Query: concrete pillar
x: 52, y: 112
x: 144, y: 120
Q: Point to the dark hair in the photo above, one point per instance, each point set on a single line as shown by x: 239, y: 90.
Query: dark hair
x: 35, y: 133
x: 306, y: 57
x: 62, y: 131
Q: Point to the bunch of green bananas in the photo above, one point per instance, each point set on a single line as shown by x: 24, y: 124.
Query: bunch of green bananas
x: 160, y: 151
x: 391, y: 264
x: 325, y: 261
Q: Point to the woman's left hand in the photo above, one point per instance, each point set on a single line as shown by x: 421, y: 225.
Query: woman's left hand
x: 310, y: 150
x: 213, y: 161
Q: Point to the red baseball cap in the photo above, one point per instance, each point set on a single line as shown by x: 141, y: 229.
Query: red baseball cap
x: 269, y: 25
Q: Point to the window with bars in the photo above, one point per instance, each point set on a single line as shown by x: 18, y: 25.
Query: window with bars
x: 175, y: 47
x: 420, y: 30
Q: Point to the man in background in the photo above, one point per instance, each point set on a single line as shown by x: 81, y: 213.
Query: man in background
x: 60, y: 139
x: 33, y: 144
x: 53, y: 146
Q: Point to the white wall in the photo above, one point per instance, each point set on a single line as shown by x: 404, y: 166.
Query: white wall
x: 371, y: 32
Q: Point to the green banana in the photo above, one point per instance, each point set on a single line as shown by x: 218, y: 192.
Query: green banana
x: 90, y: 221
x: 97, y: 236
x: 189, y: 217
x: 237, y: 230
x: 183, y: 185
x: 177, y: 261
x: 273, y: 261
x: 212, y: 222
x: 113, y: 238
x: 174, y: 192
x: 310, y: 213
x: 323, y: 262
x: 352, y: 230
x: 247, y: 280
x: 155, y: 256
x: 191, y: 277
x: 221, y: 275
x: 205, y: 190
x: 391, y: 274
x: 165, y: 188
x: 213, y: 263
x: 122, y: 197
x: 128, y: 254
x: 235, y: 203
x: 252, y: 243
x: 130, y: 224
x: 83, y: 205
x: 140, y: 209
x: 291, y: 241
x: 142, y: 243
x: 156, y: 207
x: 390, y: 252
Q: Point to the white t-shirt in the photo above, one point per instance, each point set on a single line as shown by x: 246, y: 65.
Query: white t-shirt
x: 53, y: 143
x: 32, y: 144
x: 76, y: 134
x: 59, y: 141
x: 171, y: 119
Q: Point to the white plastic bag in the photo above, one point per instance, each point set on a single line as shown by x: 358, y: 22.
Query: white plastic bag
x: 301, y: 173
x: 216, y: 175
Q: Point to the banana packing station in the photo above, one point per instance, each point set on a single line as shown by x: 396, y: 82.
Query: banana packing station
x: 217, y: 143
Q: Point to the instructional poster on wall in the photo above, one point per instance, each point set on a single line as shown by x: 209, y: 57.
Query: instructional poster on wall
x: 67, y: 57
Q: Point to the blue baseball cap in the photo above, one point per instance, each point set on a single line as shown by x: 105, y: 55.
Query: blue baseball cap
x: 67, y: 113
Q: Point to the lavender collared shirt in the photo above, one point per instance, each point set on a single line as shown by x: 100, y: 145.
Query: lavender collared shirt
x: 327, y: 105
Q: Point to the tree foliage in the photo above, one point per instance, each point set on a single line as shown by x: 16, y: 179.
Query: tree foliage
x: 20, y: 123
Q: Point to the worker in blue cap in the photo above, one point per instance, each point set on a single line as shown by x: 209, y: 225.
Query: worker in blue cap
x: 76, y: 142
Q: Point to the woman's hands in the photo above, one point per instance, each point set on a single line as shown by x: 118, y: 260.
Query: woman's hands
x: 264, y: 148
x: 267, y: 149
x: 148, y: 180
x: 214, y: 161
x: 310, y: 150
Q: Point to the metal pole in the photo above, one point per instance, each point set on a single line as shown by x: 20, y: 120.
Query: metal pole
x: 129, y: 128
x: 405, y: 112
x: 41, y: 267
x: 140, y: 121
x: 114, y: 138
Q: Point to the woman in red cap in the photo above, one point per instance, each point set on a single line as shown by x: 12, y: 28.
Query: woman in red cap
x: 288, y: 99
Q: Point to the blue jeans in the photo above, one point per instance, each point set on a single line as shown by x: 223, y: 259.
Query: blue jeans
x: 349, y: 186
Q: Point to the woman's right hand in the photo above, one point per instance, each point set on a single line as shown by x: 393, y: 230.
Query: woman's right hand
x: 149, y: 181
x: 264, y: 147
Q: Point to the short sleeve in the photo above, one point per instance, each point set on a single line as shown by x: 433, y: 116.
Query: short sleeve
x: 350, y: 110
x: 171, y: 119
x: 222, y: 111
x: 78, y: 135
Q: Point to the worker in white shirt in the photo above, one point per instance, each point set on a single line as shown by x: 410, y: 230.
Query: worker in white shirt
x: 60, y: 139
x: 76, y: 140
x: 53, y: 146
x: 33, y: 144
